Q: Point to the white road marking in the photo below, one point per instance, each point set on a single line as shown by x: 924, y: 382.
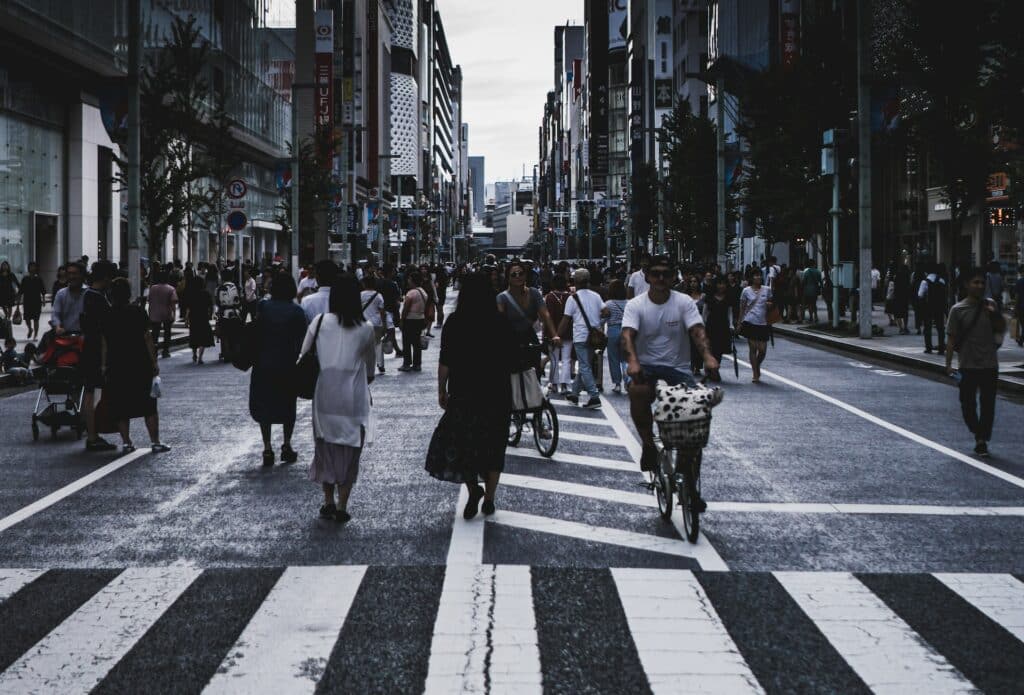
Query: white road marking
x: 877, y: 644
x: 12, y: 580
x: 578, y: 459
x: 622, y: 431
x: 998, y: 596
x: 466, y: 546
x: 841, y: 508
x: 583, y: 420
x: 682, y: 643
x: 591, y: 438
x: 576, y: 489
x: 485, y: 635
x: 70, y: 489
x: 896, y: 429
x: 286, y: 645
x: 703, y: 553
x: 82, y: 650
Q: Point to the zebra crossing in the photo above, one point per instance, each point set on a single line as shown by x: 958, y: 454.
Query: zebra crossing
x: 506, y: 629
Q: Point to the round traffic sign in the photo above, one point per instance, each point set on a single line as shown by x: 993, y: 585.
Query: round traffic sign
x: 237, y: 189
x: 237, y: 220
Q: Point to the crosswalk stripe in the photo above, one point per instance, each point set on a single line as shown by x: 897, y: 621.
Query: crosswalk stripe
x: 583, y: 420
x: 12, y: 580
x: 884, y: 651
x: 590, y: 439
x: 485, y: 636
x: 577, y: 459
x: 683, y: 645
x: 286, y: 645
x: 79, y: 652
x: 998, y: 596
x: 578, y: 490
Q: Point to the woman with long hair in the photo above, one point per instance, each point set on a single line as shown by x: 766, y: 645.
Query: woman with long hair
x: 755, y: 302
x: 344, y: 344
x: 478, y: 352
x: 611, y: 314
x: 198, y: 313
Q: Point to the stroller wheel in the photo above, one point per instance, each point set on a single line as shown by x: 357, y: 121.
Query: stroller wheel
x: 35, y: 431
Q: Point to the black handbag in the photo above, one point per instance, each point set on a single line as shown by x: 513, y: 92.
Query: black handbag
x: 307, y: 371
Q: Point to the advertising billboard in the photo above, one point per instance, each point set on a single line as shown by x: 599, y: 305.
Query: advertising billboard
x: 618, y: 24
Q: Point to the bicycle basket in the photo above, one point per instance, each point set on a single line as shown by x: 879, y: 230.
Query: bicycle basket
x: 691, y: 434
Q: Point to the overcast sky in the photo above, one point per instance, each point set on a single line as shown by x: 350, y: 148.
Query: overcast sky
x: 506, y: 51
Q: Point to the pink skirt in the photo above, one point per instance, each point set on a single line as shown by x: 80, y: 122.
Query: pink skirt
x: 334, y: 464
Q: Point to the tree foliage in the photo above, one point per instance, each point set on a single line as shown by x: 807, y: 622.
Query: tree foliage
x: 318, y: 187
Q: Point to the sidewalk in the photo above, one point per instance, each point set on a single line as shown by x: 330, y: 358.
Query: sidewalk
x: 907, y: 350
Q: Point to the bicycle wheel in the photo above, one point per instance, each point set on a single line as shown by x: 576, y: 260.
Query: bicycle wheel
x: 662, y: 479
x: 689, y: 468
x: 515, y: 429
x: 545, y: 430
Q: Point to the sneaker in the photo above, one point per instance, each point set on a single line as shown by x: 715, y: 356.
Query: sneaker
x: 572, y: 398
x: 593, y: 404
x: 617, y: 388
x: 328, y: 511
x: 649, y: 458
x: 981, y: 449
x: 100, y: 444
x: 158, y: 448
x: 927, y: 351
x: 127, y: 448
x: 403, y: 368
x: 380, y: 369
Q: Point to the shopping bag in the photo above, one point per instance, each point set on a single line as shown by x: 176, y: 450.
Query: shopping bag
x: 526, y: 391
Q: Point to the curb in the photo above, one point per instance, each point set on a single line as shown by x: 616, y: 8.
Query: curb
x: 7, y: 380
x: 1005, y: 383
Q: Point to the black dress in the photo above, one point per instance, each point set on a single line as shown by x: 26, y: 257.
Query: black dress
x: 129, y: 363
x: 200, y: 307
x: 471, y: 437
x: 32, y: 291
x: 718, y: 330
x: 9, y: 289
x: 281, y: 329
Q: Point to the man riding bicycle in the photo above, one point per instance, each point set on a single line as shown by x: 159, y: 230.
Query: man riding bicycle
x: 656, y: 330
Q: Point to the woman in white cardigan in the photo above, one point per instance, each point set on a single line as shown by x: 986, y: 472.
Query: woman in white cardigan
x: 341, y: 403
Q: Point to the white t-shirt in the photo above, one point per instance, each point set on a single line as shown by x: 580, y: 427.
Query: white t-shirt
x: 876, y: 277
x: 757, y: 305
x: 638, y: 283
x: 662, y: 330
x: 372, y: 311
x: 317, y: 303
x: 307, y: 283
x: 592, y: 305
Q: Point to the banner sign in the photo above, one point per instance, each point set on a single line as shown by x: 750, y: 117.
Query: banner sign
x: 324, y: 69
x: 789, y: 34
x: 618, y: 24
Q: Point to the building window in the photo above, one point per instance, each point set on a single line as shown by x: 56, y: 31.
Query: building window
x: 664, y: 58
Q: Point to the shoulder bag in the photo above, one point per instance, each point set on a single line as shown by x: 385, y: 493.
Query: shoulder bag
x: 307, y: 371
x: 595, y: 338
x: 370, y: 301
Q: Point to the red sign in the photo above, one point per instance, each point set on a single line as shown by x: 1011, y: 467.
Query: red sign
x: 789, y: 34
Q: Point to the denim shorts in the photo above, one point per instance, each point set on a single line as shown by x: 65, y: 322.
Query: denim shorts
x: 670, y: 375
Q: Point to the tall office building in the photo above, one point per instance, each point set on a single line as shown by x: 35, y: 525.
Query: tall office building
x: 478, y: 183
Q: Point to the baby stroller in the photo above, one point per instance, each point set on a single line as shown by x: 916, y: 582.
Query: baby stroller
x: 59, y: 402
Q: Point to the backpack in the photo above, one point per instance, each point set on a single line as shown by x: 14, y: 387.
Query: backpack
x: 228, y: 300
x: 936, y: 295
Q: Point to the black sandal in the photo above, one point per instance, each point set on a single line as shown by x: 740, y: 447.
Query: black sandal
x: 341, y: 516
x: 475, y: 495
x: 268, y: 457
x: 328, y: 511
x: 288, y: 454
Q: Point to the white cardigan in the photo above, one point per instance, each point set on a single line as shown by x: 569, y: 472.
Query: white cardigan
x: 342, y: 401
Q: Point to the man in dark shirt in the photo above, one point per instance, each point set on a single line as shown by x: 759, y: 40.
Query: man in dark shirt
x: 95, y: 309
x: 388, y: 288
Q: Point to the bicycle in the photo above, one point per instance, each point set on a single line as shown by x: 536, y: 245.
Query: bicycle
x: 543, y: 423
x: 679, y: 476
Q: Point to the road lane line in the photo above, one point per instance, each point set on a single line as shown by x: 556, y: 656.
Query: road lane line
x: 583, y: 420
x: 868, y: 509
x: 12, y: 580
x: 703, y: 553
x: 577, y: 459
x: 883, y: 650
x: 286, y: 645
x: 68, y: 490
x: 896, y: 429
x: 682, y: 643
x: 622, y: 431
x: 998, y: 596
x: 82, y: 650
x: 466, y: 546
x: 590, y: 438
x: 576, y: 489
x: 485, y: 635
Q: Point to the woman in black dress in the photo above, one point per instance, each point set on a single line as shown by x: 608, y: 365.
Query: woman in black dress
x: 131, y: 366
x: 198, y: 314
x: 717, y: 308
x: 9, y: 289
x: 478, y: 352
x: 33, y: 294
x: 279, y: 332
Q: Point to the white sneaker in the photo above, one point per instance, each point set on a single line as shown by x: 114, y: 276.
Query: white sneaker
x: 616, y: 389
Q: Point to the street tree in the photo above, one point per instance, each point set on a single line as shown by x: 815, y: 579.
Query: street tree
x: 318, y: 188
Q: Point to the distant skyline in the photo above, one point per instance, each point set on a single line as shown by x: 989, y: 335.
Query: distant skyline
x: 507, y: 61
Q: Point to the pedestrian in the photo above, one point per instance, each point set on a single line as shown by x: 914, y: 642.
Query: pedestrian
x: 162, y: 300
x: 441, y: 290
x: 583, y: 313
x: 281, y: 325
x: 372, y: 302
x: 994, y: 284
x: 344, y: 343
x: 414, y: 320
x: 611, y: 314
x: 229, y: 316
x: 388, y: 288
x: 475, y: 392
x: 252, y: 293
x: 901, y: 298
x: 694, y: 291
x: 307, y: 284
x: 915, y: 301
x: 718, y: 320
x: 811, y: 290
x: 934, y: 297
x: 973, y: 326
x: 755, y: 302
x: 33, y: 295
x: 560, y: 375
x: 637, y: 284
x: 523, y: 307
x: 10, y: 288
x: 130, y: 367
x: 66, y: 312
x: 319, y: 302
x: 60, y: 283
x: 198, y: 314
x: 95, y: 314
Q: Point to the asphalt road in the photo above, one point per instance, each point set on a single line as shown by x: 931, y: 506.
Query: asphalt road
x: 834, y: 476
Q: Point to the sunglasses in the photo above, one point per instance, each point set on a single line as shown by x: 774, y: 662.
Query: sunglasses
x: 516, y: 274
